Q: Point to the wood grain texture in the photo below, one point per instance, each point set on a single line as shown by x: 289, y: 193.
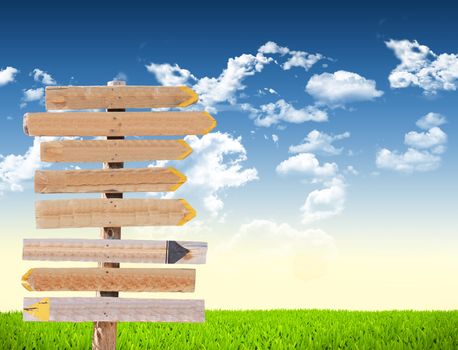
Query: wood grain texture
x: 55, y: 309
x: 109, y: 97
x: 118, y: 123
x: 112, y: 212
x: 113, y: 150
x: 106, y: 250
x: 105, y: 333
x: 108, y: 180
x: 110, y: 279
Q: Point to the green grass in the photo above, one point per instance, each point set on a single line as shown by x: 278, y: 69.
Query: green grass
x: 279, y: 329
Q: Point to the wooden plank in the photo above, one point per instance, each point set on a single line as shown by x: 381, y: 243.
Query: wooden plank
x: 113, y: 150
x: 63, y: 213
x: 109, y: 309
x: 118, y: 123
x: 108, y: 97
x: 107, y: 250
x: 108, y: 180
x: 109, y: 279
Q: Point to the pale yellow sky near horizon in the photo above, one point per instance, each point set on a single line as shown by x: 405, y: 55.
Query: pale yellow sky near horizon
x: 355, y: 277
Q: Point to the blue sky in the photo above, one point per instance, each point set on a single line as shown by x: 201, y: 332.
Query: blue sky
x: 371, y: 87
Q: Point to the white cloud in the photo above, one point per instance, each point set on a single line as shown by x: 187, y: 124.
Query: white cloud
x: 320, y: 142
x: 121, y: 76
x: 30, y: 95
x: 310, y: 251
x: 431, y: 120
x: 295, y: 58
x: 43, y: 77
x: 7, y: 75
x: 265, y: 91
x: 350, y: 169
x: 341, y: 87
x: 172, y: 75
x: 213, y: 90
x: 275, y: 138
x: 434, y: 137
x: 281, y: 111
x: 215, y: 164
x: 301, y: 59
x: 421, y: 67
x: 324, y: 203
x: 224, y: 87
x: 306, y: 163
x: 409, y: 161
x: 271, y: 47
x: 424, y: 149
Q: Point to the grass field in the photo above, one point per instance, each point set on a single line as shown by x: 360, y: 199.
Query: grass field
x: 279, y: 329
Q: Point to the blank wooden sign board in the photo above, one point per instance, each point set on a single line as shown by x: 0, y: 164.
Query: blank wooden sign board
x: 111, y: 211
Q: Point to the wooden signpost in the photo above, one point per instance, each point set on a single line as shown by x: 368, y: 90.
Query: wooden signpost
x: 111, y: 211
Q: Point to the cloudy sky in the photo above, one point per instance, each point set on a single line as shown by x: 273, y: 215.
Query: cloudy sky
x: 330, y: 180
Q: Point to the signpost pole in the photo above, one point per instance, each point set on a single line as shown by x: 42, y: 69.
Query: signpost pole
x: 104, y: 337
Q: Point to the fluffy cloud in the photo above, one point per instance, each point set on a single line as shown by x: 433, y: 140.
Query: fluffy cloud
x: 229, y: 85
x: 431, y: 120
x: 121, y: 76
x: 424, y: 149
x: 320, y: 142
x: 43, y: 77
x: 224, y: 87
x: 324, y: 203
x: 341, y: 87
x: 295, y: 58
x: 213, y: 90
x: 271, y: 47
x: 215, y: 164
x: 329, y: 200
x: 433, y: 138
x: 275, y: 138
x: 265, y: 91
x: 33, y: 94
x: 409, y: 161
x: 421, y: 67
x: 350, y: 169
x: 7, y: 75
x: 172, y: 75
x: 281, y: 111
x: 306, y: 163
x: 310, y: 251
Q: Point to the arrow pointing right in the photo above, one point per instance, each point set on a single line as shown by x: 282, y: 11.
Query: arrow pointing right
x: 175, y: 252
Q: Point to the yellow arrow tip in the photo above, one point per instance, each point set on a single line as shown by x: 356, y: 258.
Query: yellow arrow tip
x: 212, y: 125
x: 25, y: 280
x: 39, y: 310
x: 191, y: 213
x: 181, y: 178
x: 193, y: 97
x: 187, y: 152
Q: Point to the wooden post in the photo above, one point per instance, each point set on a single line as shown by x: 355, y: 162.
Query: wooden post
x: 104, y: 337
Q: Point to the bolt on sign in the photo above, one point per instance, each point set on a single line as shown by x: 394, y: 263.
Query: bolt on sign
x: 111, y: 211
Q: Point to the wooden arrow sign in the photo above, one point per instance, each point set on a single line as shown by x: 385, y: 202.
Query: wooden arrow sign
x: 112, y: 310
x: 112, y: 97
x: 109, y: 250
x: 108, y: 180
x: 113, y: 150
x: 118, y: 123
x: 108, y: 279
x: 112, y: 212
